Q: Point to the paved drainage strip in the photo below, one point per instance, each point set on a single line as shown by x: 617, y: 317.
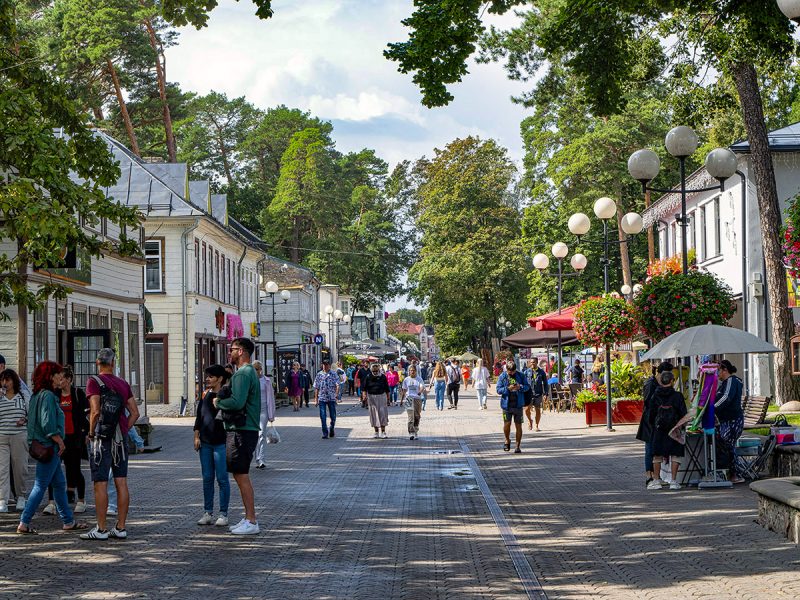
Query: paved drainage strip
x: 528, y: 578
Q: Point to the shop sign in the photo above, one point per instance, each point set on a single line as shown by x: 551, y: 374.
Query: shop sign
x: 255, y: 330
x: 318, y: 339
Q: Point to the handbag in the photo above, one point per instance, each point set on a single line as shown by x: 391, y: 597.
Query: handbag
x: 40, y: 452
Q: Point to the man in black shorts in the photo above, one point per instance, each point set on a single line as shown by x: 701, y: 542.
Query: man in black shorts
x: 241, y: 405
x: 511, y: 386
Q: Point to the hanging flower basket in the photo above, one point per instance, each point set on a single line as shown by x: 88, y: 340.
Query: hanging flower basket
x: 604, y: 320
x: 672, y: 302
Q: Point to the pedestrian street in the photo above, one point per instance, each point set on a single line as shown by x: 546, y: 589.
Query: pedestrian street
x: 447, y: 516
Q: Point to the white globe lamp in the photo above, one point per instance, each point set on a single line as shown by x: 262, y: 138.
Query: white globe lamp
x: 579, y: 224
x: 605, y: 208
x: 329, y: 310
x: 791, y: 8
x: 578, y: 262
x: 681, y: 141
x: 625, y: 289
x: 644, y: 165
x: 637, y: 288
x: 632, y: 223
x: 272, y: 287
x: 560, y: 250
x: 721, y: 163
x: 285, y: 295
x: 338, y: 314
x: 540, y: 262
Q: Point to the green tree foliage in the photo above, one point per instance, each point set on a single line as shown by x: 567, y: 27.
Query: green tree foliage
x: 469, y: 271
x: 406, y: 315
x: 40, y: 201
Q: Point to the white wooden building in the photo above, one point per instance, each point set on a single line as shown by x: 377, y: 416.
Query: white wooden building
x: 724, y: 229
x: 200, y: 276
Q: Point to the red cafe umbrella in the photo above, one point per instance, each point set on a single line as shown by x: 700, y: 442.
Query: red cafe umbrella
x: 554, y: 321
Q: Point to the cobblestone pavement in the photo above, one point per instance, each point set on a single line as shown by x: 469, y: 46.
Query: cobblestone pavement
x: 355, y: 517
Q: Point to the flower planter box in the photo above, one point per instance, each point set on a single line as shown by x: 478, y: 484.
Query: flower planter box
x: 624, y: 412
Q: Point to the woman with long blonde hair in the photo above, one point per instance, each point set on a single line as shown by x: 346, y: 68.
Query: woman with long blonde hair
x: 481, y: 378
x: 440, y: 384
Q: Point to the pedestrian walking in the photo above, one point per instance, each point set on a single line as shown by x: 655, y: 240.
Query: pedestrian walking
x: 413, y: 391
x: 351, y: 373
x: 575, y: 372
x: 209, y: 442
x: 75, y: 406
x: 375, y: 390
x: 306, y: 384
x: 668, y: 406
x: 511, y: 386
x: 393, y: 379
x: 728, y: 409
x: 439, y: 384
x: 13, y: 444
x: 295, y: 385
x: 645, y: 430
x: 481, y: 377
x: 340, y: 373
x: 45, y: 438
x: 326, y: 391
x: 241, y: 408
x: 537, y: 379
x: 267, y: 414
x: 453, y: 384
x: 466, y: 376
x: 109, y: 397
x: 362, y: 376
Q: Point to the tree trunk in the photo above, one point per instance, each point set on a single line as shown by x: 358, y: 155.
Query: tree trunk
x: 651, y: 239
x: 781, y: 319
x: 161, y: 77
x: 98, y: 113
x: 123, y: 108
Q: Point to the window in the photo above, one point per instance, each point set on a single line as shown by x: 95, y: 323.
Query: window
x: 40, y: 335
x: 692, y: 234
x: 197, y: 266
x: 203, y: 268
x: 133, y: 355
x: 234, y: 281
x: 78, y: 317
x: 118, y: 342
x: 702, y: 243
x: 218, y: 296
x: 224, y: 295
x: 717, y: 228
x: 61, y: 316
x: 154, y: 269
x: 673, y: 239
x: 344, y: 306
x: 98, y: 318
x: 210, y: 272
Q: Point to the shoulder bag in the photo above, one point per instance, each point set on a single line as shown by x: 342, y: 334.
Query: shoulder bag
x: 37, y: 450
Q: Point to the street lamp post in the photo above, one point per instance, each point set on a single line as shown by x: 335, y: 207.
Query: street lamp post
x: 338, y: 315
x: 329, y: 312
x: 579, y: 225
x: 272, y: 289
x: 681, y: 142
x: 578, y: 262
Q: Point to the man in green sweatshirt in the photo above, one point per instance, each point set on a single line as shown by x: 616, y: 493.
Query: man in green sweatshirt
x: 242, y: 403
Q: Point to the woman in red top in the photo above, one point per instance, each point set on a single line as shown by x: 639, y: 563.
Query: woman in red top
x: 76, y: 427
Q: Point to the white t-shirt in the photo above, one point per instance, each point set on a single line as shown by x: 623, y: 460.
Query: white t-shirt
x: 413, y: 387
x: 481, y: 377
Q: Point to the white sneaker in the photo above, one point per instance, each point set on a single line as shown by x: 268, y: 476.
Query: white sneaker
x: 50, y: 509
x: 239, y: 524
x: 384, y: 436
x: 21, y: 502
x: 655, y: 484
x: 80, y: 507
x: 376, y: 435
x: 120, y: 534
x: 674, y: 485
x: 222, y: 521
x: 3, y: 507
x: 206, y: 519
x: 95, y: 534
x: 246, y: 528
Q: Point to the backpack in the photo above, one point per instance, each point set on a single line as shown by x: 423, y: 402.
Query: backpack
x: 666, y: 417
x: 111, y: 407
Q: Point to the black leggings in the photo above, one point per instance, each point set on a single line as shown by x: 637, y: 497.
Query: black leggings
x: 452, y: 393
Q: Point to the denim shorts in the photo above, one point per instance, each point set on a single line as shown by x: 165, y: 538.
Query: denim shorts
x: 103, y: 457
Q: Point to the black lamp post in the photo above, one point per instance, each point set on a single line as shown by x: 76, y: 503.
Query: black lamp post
x: 578, y: 262
x: 579, y: 225
x: 681, y: 142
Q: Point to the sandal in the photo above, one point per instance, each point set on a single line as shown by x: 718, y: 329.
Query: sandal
x: 75, y: 525
x: 26, y: 529
x: 506, y: 447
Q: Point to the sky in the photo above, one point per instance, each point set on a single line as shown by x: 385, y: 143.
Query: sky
x: 325, y: 56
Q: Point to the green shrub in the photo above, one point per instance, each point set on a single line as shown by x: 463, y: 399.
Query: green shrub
x: 627, y: 380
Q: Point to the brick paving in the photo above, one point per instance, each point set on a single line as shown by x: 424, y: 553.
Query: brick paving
x: 354, y: 517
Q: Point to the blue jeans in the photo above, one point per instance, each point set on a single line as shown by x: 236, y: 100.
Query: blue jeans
x: 212, y: 463
x: 439, y: 389
x: 48, y: 474
x: 393, y: 394
x: 324, y: 407
x: 481, y: 396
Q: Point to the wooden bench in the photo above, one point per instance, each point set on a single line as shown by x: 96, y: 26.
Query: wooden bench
x: 755, y: 410
x: 779, y: 505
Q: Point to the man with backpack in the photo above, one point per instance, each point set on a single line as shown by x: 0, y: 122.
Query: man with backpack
x: 645, y: 431
x: 109, y: 397
x: 537, y: 379
x: 668, y: 406
x: 240, y: 404
x: 453, y: 384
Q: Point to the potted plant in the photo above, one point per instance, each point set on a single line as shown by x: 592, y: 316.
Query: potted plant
x: 627, y: 403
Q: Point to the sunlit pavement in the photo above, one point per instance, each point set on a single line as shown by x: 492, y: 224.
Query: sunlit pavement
x: 356, y: 517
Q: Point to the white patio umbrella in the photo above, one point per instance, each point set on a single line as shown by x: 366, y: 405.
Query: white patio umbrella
x: 708, y: 339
